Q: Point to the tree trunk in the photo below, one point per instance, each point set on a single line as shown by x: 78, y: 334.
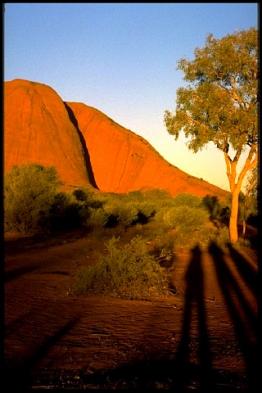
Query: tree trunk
x: 244, y: 228
x: 233, y: 232
x: 235, y: 186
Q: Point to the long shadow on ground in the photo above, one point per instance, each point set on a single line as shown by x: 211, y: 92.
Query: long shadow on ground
x: 194, y: 298
x: 18, y: 373
x: 241, y: 313
x: 174, y: 370
x: 246, y: 270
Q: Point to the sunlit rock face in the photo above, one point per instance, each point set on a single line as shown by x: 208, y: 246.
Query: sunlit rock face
x: 38, y: 129
x: 123, y: 161
x: 85, y: 145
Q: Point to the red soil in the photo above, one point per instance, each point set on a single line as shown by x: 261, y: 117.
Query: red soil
x: 202, y: 338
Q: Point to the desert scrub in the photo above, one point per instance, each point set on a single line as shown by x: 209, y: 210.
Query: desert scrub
x: 127, y: 271
x: 190, y: 225
x: 162, y: 247
x: 187, y: 200
x: 146, y: 210
x: 67, y: 212
x: 29, y: 192
x: 182, y: 217
x: 221, y: 237
x: 122, y: 212
x: 98, y: 218
x: 89, y: 197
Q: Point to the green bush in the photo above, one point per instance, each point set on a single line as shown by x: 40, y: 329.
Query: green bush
x: 127, y: 214
x: 89, y: 197
x: 221, y: 236
x: 127, y: 271
x: 136, y: 196
x: 184, y: 218
x: 190, y: 225
x: 81, y: 195
x: 98, y: 218
x: 219, y: 212
x: 156, y: 194
x: 187, y: 200
x: 158, y: 198
x: 67, y: 213
x: 29, y: 192
x: 121, y: 212
x: 163, y: 248
x: 146, y: 210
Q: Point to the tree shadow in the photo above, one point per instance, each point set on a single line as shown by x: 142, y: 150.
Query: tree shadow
x: 164, y: 368
x: 42, y: 241
x: 246, y: 270
x: 12, y: 246
x: 12, y: 326
x: 18, y: 372
x: 244, y: 321
x: 88, y: 164
x: 20, y: 271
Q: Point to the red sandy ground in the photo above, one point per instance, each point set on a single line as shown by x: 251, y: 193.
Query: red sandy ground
x: 202, y: 338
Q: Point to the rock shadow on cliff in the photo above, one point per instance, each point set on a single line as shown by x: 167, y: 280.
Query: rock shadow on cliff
x: 88, y: 164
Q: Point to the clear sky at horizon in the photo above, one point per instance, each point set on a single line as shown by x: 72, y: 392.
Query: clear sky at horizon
x: 121, y: 58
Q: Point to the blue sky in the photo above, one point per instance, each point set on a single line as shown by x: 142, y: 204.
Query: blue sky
x: 121, y: 58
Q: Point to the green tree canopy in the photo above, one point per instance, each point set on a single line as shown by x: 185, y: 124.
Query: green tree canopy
x: 219, y: 104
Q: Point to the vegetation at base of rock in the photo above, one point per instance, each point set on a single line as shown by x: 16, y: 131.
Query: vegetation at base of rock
x: 34, y: 203
x: 29, y: 192
x: 127, y: 271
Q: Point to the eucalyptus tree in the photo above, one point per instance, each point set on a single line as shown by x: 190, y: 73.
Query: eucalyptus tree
x: 250, y: 198
x: 219, y: 104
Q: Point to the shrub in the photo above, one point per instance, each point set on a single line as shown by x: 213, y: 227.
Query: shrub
x: 156, y: 194
x: 98, y: 218
x: 66, y: 212
x: 127, y: 271
x: 135, y: 196
x: 158, y: 198
x: 29, y: 192
x: 88, y: 196
x: 146, y: 210
x: 187, y: 200
x: 219, y: 212
x: 127, y: 214
x: 190, y: 225
x: 80, y: 195
x: 182, y: 217
x: 211, y: 203
x: 163, y: 249
x: 221, y: 236
x: 121, y: 212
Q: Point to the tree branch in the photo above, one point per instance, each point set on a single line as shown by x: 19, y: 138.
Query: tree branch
x: 249, y: 164
x: 229, y: 168
x: 234, y: 95
x: 238, y: 154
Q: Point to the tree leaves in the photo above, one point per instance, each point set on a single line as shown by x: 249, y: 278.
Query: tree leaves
x: 220, y: 102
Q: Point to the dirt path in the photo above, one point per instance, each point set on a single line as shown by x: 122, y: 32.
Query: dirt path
x: 202, y: 339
